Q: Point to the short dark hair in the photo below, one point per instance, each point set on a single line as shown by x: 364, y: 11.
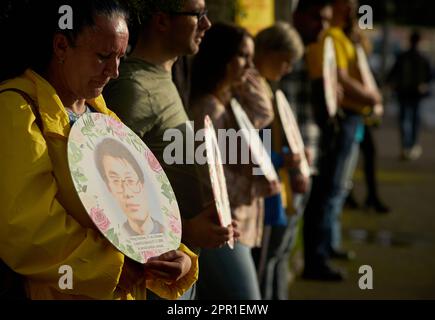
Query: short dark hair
x: 220, y: 44
x: 34, y: 25
x: 143, y: 10
x: 114, y: 148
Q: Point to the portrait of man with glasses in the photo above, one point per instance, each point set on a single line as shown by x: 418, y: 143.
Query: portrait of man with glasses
x: 125, y: 180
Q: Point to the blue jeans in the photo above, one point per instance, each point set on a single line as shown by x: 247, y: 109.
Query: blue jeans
x: 228, y: 274
x: 346, y: 159
x: 409, y: 118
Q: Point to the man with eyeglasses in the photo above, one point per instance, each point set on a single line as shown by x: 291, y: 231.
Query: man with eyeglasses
x: 146, y: 99
x: 125, y: 180
x: 198, y: 14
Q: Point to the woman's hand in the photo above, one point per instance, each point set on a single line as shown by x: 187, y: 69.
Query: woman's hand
x: 236, y: 232
x: 170, y: 266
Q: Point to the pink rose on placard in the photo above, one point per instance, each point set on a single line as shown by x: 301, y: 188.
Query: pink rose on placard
x: 153, y: 162
x: 113, y: 123
x: 100, y: 219
x: 149, y: 254
x: 117, y: 127
x: 175, y: 225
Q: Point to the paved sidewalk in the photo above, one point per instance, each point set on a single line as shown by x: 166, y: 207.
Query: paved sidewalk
x: 400, y: 246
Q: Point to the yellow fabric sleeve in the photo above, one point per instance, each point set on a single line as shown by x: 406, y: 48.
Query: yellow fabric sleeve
x: 173, y: 291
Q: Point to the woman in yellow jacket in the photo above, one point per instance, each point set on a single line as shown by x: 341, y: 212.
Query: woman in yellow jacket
x: 43, y: 225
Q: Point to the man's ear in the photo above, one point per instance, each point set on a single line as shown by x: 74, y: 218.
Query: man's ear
x: 162, y: 21
x: 60, y: 47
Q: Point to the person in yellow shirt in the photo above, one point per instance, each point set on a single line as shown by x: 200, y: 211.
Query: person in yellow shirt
x: 311, y: 19
x: 358, y: 101
x: 43, y: 225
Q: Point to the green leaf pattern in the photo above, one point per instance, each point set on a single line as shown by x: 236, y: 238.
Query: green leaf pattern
x: 166, y: 188
x: 123, y: 247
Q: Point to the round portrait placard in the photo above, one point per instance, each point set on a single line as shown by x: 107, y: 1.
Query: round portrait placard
x: 123, y: 187
x: 252, y: 138
x: 330, y: 81
x: 217, y: 177
x: 291, y: 130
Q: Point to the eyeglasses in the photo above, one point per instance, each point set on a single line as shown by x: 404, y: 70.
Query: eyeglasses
x: 118, y: 185
x: 199, y: 15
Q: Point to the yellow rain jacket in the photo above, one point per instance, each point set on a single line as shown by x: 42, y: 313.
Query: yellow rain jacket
x: 43, y: 224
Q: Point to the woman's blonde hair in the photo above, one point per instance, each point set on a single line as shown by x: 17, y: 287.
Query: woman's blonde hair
x: 280, y: 37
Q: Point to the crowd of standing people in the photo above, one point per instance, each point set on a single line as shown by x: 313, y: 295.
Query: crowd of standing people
x: 154, y: 66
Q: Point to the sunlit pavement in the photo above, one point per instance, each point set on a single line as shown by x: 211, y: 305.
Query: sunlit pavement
x: 399, y: 246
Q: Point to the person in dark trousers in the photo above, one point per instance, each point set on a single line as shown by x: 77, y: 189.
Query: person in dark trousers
x: 310, y: 19
x: 410, y: 77
x: 373, y: 201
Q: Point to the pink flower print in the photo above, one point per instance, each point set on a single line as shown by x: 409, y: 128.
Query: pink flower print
x: 174, y: 225
x: 153, y: 162
x: 149, y: 254
x: 100, y: 219
x: 117, y: 127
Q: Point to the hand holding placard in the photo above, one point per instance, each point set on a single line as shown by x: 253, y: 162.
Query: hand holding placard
x: 205, y: 231
x: 170, y: 266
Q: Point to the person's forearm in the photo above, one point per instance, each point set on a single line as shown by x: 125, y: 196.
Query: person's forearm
x: 355, y: 89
